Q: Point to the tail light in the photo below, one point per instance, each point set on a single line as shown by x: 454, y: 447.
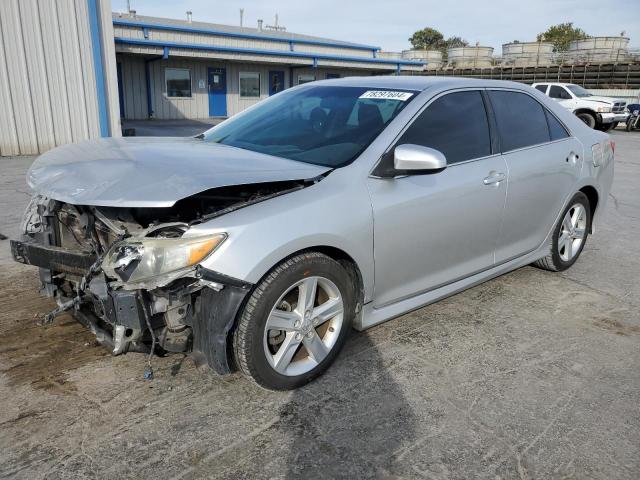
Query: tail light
x: 613, y: 146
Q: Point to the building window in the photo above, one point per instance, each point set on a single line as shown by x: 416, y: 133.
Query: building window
x: 306, y: 78
x: 178, y: 81
x: 249, y: 85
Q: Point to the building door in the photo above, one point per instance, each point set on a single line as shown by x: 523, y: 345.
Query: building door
x: 217, y: 92
x: 276, y: 82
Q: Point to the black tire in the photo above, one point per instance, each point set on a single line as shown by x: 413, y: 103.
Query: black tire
x: 605, y: 127
x: 629, y: 126
x: 553, y: 262
x: 248, y: 337
x: 588, y: 118
x: 614, y: 125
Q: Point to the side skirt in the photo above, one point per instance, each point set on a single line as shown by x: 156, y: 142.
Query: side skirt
x: 373, y: 316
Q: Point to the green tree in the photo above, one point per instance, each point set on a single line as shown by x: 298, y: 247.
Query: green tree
x: 427, y: 38
x: 560, y: 35
x: 453, y: 42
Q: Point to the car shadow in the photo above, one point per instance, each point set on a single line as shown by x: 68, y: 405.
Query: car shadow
x: 353, y: 422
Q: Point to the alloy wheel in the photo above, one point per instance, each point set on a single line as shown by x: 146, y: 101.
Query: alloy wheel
x: 573, y: 232
x: 303, y: 326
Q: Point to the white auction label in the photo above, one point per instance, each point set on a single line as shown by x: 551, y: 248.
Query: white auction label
x: 387, y: 95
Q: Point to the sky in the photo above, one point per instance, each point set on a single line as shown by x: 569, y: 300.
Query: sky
x: 389, y: 24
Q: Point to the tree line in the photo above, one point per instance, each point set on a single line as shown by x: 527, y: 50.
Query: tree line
x: 559, y: 35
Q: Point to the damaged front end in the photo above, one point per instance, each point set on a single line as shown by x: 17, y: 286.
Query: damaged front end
x: 133, y: 276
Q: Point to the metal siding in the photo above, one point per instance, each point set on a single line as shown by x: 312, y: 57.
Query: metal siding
x: 47, y: 76
x: 8, y: 133
x: 17, y: 78
x: 36, y: 69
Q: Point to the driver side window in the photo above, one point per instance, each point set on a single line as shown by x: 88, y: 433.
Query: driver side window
x: 559, y: 92
x: 455, y: 124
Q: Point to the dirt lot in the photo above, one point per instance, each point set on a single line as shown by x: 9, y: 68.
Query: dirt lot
x: 531, y: 375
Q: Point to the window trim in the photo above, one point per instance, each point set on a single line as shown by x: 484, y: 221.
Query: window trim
x: 166, y: 88
x: 247, y: 97
x: 395, y: 140
x: 544, y: 107
x: 492, y: 121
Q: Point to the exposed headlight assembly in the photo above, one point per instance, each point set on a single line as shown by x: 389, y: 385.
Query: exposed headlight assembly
x: 604, y: 109
x: 139, y: 260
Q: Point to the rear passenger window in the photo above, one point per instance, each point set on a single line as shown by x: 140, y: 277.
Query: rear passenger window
x: 521, y: 120
x: 556, y: 129
x: 455, y: 124
x: 542, y: 88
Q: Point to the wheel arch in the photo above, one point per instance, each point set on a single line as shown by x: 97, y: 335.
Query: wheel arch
x: 592, y: 196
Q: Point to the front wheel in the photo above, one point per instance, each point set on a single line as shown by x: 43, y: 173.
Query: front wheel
x: 569, y: 235
x: 588, y: 119
x: 606, y: 127
x: 295, y: 322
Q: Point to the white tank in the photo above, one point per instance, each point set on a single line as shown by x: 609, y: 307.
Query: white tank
x: 470, y: 57
x: 527, y: 54
x: 433, y: 58
x: 599, y: 50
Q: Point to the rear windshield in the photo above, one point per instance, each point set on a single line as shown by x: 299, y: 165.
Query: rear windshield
x: 322, y: 125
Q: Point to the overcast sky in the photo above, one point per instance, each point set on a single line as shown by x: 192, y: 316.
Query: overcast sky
x: 389, y: 24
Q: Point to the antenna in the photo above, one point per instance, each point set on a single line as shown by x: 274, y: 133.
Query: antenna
x: 241, y: 16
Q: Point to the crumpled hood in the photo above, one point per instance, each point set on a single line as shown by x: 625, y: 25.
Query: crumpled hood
x: 153, y: 172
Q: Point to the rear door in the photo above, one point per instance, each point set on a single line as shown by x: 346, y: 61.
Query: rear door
x: 434, y: 229
x: 544, y: 163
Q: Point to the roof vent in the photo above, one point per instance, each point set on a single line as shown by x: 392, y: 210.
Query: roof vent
x: 189, y: 14
x: 132, y: 13
x: 260, y: 25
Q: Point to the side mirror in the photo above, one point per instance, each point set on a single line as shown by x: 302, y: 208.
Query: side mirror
x: 416, y: 158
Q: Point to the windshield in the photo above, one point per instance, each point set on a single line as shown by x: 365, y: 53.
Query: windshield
x: 323, y: 125
x: 578, y: 91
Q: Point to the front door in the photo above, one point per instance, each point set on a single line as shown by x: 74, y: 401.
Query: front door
x: 217, y: 92
x: 276, y: 82
x: 435, y: 229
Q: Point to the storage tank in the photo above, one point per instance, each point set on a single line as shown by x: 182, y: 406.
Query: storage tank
x: 433, y: 58
x: 599, y: 50
x: 470, y: 57
x: 527, y: 54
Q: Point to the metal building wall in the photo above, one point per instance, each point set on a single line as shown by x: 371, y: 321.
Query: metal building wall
x: 57, y: 74
x: 197, y: 106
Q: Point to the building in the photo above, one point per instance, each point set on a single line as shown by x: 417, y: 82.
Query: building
x: 171, y: 69
x: 57, y: 74
x: 71, y: 69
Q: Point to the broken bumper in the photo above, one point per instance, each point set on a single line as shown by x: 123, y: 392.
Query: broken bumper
x: 119, y: 318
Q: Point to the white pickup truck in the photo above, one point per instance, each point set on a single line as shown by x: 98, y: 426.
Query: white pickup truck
x: 602, y: 113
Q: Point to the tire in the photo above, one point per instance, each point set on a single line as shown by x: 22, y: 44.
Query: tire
x: 564, y: 253
x: 279, y: 300
x: 588, y: 119
x: 614, y: 125
x: 629, y: 126
x: 605, y: 127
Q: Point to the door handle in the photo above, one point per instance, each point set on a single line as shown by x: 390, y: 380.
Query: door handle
x: 494, y: 178
x: 572, y: 158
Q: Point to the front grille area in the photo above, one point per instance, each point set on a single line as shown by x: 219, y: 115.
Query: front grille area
x: 618, y: 107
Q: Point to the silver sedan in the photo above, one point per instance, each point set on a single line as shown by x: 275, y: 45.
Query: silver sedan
x: 339, y: 204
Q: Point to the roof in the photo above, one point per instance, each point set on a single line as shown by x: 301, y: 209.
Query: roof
x: 246, y: 32
x: 420, y: 82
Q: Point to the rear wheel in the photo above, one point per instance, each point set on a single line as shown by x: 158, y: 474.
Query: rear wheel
x: 569, y: 236
x: 295, y: 322
x: 588, y: 118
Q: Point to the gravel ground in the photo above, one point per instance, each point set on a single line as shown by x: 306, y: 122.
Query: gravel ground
x: 531, y: 375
